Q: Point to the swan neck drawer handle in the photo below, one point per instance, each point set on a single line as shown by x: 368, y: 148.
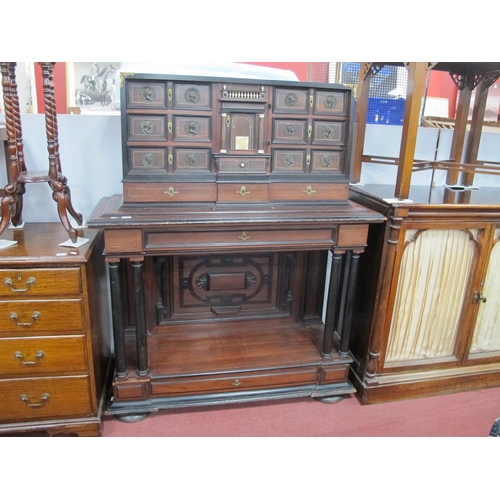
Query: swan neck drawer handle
x: 10, y: 284
x: 14, y: 317
x: 19, y: 355
x: 44, y: 397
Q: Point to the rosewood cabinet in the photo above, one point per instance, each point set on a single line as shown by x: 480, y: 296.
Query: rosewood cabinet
x: 235, y: 193
x: 428, y: 322
x: 54, y: 351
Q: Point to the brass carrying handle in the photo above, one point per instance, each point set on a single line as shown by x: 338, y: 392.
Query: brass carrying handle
x: 19, y: 355
x: 9, y: 283
x: 14, y: 317
x: 26, y: 399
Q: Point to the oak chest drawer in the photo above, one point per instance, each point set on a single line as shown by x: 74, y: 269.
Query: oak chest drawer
x: 44, y: 397
x: 41, y: 355
x: 23, y: 282
x: 28, y: 317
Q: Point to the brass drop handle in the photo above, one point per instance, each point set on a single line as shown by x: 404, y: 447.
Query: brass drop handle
x: 19, y: 355
x: 26, y: 399
x: 309, y: 191
x: 9, y: 283
x: 236, y: 383
x: 478, y: 297
x: 243, y: 191
x: 14, y: 317
x: 244, y: 236
x: 171, y: 191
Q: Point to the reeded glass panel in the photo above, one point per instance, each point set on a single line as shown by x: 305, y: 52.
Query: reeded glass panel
x: 432, y: 282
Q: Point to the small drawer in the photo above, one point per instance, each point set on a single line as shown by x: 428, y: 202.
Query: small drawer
x: 328, y: 133
x: 268, y: 379
x: 242, y: 193
x: 42, y: 355
x: 310, y: 192
x: 327, y: 102
x: 19, y: 283
x: 192, y: 161
x: 146, y: 95
x: 243, y: 165
x: 142, y: 192
x: 192, y: 129
x: 289, y: 161
x: 147, y: 128
x: 42, y: 398
x: 51, y: 316
x: 328, y: 162
x: 192, y: 96
x: 147, y: 161
x: 290, y: 131
x: 291, y: 101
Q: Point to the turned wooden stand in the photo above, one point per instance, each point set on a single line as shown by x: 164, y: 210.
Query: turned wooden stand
x: 18, y: 174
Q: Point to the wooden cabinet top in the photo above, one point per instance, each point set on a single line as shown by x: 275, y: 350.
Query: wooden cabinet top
x: 39, y: 243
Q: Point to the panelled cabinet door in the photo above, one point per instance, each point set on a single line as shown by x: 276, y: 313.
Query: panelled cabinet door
x: 486, y: 338
x: 432, y: 287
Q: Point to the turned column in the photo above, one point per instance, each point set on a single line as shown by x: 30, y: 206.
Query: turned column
x: 117, y: 317
x: 140, y: 319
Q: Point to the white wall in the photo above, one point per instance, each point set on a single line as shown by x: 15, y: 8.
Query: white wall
x: 91, y: 159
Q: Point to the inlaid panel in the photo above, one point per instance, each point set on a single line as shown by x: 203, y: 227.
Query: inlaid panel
x: 192, y: 128
x: 192, y: 96
x: 328, y: 133
x: 147, y: 128
x: 289, y: 161
x: 146, y: 94
x: 147, y: 160
x: 225, y: 285
x: 327, y: 162
x: 192, y: 160
x: 290, y: 131
x: 330, y: 103
x: 291, y: 101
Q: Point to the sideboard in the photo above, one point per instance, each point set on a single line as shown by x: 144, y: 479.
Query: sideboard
x: 233, y: 250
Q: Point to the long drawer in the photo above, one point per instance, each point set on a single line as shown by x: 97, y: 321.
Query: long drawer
x: 169, y: 192
x: 26, y: 356
x: 257, y: 238
x: 28, y: 317
x: 27, y: 282
x: 41, y: 398
x: 235, y: 382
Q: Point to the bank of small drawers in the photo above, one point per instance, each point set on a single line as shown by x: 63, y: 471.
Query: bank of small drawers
x: 234, y: 192
x: 43, y: 345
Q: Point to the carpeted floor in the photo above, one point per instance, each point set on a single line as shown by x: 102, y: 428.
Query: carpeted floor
x: 467, y: 414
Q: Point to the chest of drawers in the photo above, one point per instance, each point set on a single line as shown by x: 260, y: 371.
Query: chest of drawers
x: 53, y: 354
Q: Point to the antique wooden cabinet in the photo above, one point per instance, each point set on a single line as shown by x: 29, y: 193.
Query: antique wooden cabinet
x: 54, y: 347
x: 234, y: 193
x: 429, y: 320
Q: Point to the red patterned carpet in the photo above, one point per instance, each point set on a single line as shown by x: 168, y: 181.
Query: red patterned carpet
x: 467, y: 414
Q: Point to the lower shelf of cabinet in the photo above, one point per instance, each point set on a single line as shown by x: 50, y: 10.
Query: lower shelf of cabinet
x: 233, y: 361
